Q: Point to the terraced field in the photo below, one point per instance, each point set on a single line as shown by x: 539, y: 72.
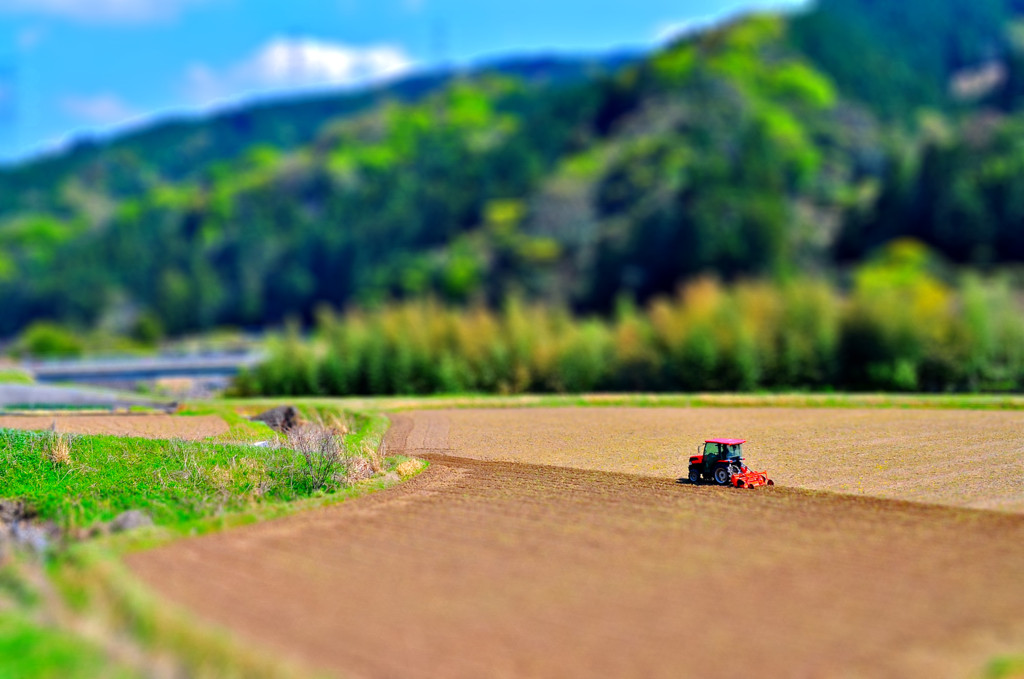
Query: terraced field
x: 507, y: 569
x: 142, y: 425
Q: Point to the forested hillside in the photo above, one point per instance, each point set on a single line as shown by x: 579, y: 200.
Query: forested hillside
x: 899, y: 56
x: 773, y: 145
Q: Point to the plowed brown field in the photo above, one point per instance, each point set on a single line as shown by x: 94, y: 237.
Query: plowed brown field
x: 501, y: 569
x: 955, y: 457
x: 141, y: 425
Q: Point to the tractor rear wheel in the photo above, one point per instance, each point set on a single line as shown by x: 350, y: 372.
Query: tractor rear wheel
x: 694, y: 475
x: 722, y: 476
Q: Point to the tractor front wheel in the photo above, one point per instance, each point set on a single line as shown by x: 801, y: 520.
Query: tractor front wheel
x: 694, y: 475
x: 722, y: 476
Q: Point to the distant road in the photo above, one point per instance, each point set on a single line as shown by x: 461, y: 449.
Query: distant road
x: 37, y: 395
x: 138, y: 370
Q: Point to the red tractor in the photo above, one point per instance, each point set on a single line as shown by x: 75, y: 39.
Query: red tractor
x: 721, y: 461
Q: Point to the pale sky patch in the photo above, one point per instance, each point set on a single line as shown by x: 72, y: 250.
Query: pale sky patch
x: 6, y: 97
x: 29, y: 38
x: 100, y: 109
x: 99, y: 11
x: 284, y: 64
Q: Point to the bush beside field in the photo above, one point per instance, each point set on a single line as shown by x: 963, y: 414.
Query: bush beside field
x: 899, y: 328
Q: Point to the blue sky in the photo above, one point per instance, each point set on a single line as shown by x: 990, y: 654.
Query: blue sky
x: 74, y: 67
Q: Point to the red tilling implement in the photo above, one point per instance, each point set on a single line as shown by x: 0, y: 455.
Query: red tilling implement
x: 751, y: 479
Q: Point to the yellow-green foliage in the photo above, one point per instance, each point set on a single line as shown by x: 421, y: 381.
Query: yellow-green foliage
x: 49, y: 340
x: 15, y: 376
x: 899, y: 328
x: 778, y: 86
x: 1006, y: 668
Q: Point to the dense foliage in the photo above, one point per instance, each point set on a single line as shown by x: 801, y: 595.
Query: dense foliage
x: 771, y: 146
x: 901, y: 329
x: 964, y: 197
x: 721, y: 152
x: 183, y: 149
x: 899, y: 56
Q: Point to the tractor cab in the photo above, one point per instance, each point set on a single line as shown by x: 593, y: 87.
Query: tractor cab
x: 721, y: 461
x: 724, y: 449
x: 718, y: 450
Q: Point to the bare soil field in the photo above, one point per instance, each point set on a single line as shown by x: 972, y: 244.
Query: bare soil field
x: 140, y: 425
x: 496, y: 569
x: 956, y: 457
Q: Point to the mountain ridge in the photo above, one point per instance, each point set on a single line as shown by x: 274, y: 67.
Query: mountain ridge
x: 252, y: 123
x: 746, y: 150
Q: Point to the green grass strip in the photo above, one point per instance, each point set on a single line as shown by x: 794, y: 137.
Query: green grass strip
x: 31, y: 650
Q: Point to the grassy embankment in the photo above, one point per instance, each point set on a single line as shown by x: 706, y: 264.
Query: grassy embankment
x: 29, y: 650
x: 79, y: 610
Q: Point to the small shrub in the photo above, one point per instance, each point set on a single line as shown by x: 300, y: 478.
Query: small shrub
x: 324, y: 460
x: 49, y: 340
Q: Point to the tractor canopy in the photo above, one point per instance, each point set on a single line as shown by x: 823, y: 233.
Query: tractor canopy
x: 723, y: 449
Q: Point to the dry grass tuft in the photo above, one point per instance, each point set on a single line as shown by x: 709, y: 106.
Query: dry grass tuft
x: 58, y: 449
x: 374, y: 454
x: 338, y: 424
x: 409, y: 467
x: 359, y: 469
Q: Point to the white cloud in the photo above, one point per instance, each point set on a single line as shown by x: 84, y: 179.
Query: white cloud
x: 99, y: 11
x: 101, y: 109
x: 285, y: 64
